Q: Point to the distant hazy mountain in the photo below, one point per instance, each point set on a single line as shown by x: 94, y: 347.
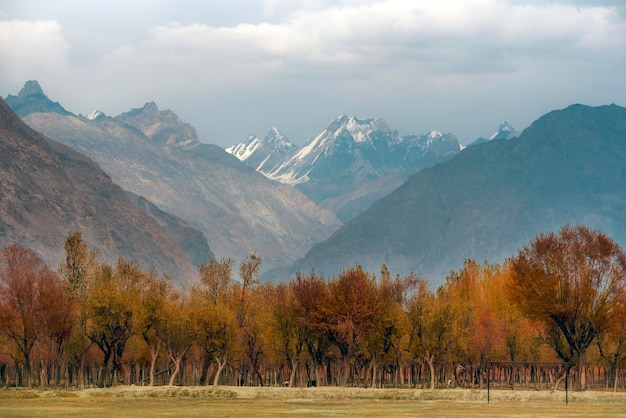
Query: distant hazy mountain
x: 349, y: 165
x: 568, y: 166
x: 162, y: 126
x: 505, y: 131
x: 48, y: 190
x: 154, y: 154
x: 32, y: 99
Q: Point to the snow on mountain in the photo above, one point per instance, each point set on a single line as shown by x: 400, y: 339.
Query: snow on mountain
x: 263, y: 154
x: 96, y: 114
x: 506, y: 131
x: 343, y: 136
x: 246, y: 149
x: 350, y: 164
x: 369, y: 145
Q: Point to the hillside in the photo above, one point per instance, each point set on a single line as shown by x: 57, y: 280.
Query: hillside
x: 490, y: 199
x: 48, y: 190
x: 154, y: 154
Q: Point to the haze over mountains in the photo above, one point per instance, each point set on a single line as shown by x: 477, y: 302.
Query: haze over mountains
x: 350, y: 164
x: 155, y: 155
x: 492, y: 198
x: 416, y: 202
x: 48, y: 190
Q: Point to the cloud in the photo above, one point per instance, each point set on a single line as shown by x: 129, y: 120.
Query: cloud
x: 29, y: 48
x: 449, y: 36
x: 301, y: 62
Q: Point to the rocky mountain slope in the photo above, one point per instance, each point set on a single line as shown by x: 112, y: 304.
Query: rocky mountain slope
x: 349, y: 165
x: 154, y: 154
x: 48, y: 190
x: 491, y: 198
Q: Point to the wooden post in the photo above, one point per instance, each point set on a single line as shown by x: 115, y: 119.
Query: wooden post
x: 488, y: 379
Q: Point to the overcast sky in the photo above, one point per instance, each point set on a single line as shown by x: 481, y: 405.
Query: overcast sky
x: 231, y: 68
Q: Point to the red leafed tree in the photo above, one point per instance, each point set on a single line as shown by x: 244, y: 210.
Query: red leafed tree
x: 354, y: 308
x: 27, y: 288
x: 572, y: 281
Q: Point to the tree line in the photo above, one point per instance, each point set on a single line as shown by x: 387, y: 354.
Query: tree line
x: 560, y: 300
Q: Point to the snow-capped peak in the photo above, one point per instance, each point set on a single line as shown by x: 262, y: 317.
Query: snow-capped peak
x: 360, y: 130
x: 277, y: 139
x: 245, y: 149
x: 96, y: 114
x: 505, y: 130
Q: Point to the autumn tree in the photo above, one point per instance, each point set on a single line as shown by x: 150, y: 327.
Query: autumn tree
x: 612, y: 342
x: 571, y: 281
x: 388, y: 343
x: 216, y: 300
x: 77, y: 272
x: 27, y: 288
x: 151, y: 314
x: 58, y: 316
x: 249, y: 275
x: 79, y: 265
x: 113, y: 299
x: 178, y: 329
x: 431, y: 327
x: 216, y: 278
x: 311, y: 295
x: 354, y: 307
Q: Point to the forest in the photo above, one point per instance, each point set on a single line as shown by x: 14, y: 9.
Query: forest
x: 552, y: 312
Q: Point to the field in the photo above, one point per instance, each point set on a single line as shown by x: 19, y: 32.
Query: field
x: 311, y: 402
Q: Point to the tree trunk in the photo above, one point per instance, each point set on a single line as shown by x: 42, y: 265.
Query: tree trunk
x: 27, y: 371
x: 431, y: 366
x: 582, y: 369
x: 154, y: 354
x: 373, y: 365
x: 292, y: 377
x: 220, y: 367
x: 176, y: 370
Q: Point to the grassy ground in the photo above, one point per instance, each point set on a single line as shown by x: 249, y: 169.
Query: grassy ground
x: 314, y: 402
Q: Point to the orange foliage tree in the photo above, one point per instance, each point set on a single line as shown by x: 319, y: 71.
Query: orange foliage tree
x: 571, y: 281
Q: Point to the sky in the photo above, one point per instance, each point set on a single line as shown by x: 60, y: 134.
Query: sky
x: 236, y: 67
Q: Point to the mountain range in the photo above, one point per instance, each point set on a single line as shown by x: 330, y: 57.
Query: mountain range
x: 417, y: 203
x: 492, y: 198
x: 350, y: 164
x: 154, y: 154
x: 48, y: 190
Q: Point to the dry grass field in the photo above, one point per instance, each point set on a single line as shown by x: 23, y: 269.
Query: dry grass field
x: 229, y: 401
